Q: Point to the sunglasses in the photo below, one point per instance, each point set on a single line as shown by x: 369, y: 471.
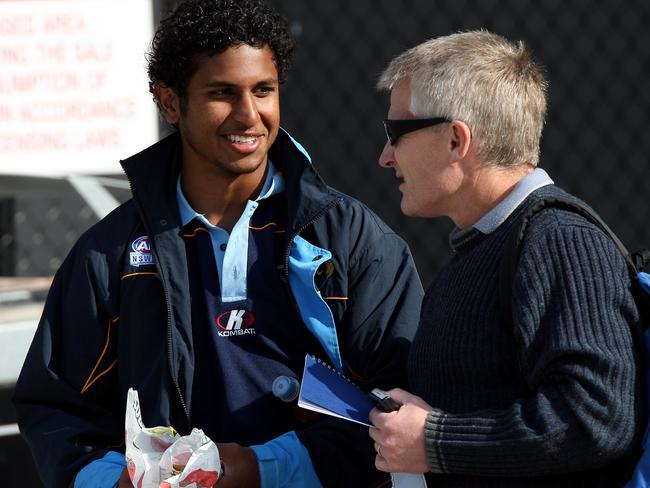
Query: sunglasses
x: 397, y: 128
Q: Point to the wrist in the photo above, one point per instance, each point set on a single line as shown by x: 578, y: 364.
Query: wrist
x: 239, y: 467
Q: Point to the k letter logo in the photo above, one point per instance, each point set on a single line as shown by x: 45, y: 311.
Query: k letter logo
x: 235, y: 322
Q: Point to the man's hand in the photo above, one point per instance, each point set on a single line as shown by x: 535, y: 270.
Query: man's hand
x: 240, y: 467
x: 125, y: 480
x: 399, y: 435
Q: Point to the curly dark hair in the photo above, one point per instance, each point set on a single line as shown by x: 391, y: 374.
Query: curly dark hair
x: 207, y: 27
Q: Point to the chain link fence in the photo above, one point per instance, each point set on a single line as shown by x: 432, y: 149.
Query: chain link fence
x: 596, y: 55
x: 595, y: 144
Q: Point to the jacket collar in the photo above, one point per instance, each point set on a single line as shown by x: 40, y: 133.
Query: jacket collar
x: 153, y: 173
x: 307, y: 193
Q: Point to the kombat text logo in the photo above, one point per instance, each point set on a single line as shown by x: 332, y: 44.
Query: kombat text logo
x: 235, y: 322
x: 141, y: 254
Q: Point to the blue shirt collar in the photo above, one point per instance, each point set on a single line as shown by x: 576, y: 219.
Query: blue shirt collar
x: 528, y: 184
x: 273, y: 184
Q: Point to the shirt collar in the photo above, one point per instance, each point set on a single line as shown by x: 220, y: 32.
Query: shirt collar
x: 528, y: 184
x: 273, y: 184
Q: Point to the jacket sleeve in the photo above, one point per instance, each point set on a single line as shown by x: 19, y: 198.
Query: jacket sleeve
x: 66, y: 395
x: 573, y: 318
x: 375, y: 332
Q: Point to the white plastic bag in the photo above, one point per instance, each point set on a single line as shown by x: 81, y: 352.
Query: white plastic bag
x: 158, y: 457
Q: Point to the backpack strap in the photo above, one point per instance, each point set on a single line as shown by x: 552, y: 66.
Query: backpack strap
x: 512, y: 245
x: 640, y: 288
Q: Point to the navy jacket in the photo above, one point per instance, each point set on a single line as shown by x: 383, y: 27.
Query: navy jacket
x: 108, y: 325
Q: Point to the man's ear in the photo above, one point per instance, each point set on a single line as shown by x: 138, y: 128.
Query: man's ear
x: 461, y: 138
x: 169, y: 103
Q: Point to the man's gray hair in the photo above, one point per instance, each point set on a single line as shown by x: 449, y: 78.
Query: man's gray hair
x: 484, y: 80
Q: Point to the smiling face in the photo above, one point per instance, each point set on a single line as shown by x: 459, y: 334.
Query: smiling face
x: 231, y: 114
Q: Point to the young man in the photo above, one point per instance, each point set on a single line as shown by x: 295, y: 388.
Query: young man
x: 232, y: 261
x: 549, y: 397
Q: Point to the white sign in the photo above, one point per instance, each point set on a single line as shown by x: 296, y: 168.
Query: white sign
x: 73, y: 85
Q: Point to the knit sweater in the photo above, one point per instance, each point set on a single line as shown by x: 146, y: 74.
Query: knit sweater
x: 550, y: 398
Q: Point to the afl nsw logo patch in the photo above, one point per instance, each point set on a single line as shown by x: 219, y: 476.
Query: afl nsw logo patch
x: 141, y: 254
x: 235, y: 322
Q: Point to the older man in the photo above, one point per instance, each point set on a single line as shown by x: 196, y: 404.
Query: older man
x: 549, y: 396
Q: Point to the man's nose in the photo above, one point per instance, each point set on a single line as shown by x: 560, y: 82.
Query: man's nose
x: 387, y: 156
x: 245, y: 110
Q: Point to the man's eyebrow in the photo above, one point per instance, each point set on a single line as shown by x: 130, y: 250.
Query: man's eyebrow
x: 226, y: 84
x: 268, y: 81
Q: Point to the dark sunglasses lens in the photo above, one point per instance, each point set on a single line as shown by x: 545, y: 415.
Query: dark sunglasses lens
x: 391, y: 134
x: 387, y: 131
x: 397, y: 128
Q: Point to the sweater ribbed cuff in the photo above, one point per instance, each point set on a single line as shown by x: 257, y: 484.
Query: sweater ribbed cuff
x: 432, y: 432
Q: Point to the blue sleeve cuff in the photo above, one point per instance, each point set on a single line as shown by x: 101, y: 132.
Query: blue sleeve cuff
x: 101, y: 473
x: 284, y: 462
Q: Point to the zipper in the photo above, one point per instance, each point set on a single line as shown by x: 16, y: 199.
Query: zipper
x: 316, y: 216
x: 169, y: 353
x: 170, y: 361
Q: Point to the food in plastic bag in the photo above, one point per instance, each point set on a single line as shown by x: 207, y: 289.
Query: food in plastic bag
x: 158, y: 457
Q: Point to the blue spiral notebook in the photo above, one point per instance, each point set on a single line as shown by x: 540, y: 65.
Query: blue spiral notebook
x: 325, y: 390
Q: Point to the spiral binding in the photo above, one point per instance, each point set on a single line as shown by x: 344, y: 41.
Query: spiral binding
x: 327, y: 365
